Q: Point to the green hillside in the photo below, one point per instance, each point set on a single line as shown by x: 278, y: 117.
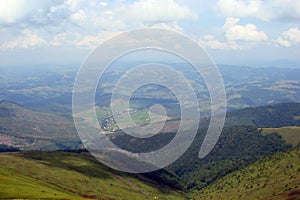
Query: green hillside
x: 26, y: 129
x: 273, y: 177
x: 65, y: 175
x: 238, y: 146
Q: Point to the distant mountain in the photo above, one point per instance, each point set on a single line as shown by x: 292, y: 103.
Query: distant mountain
x: 50, y: 89
x: 26, y: 129
x: 273, y: 177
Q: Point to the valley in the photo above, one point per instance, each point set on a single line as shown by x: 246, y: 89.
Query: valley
x: 43, y: 157
x: 149, y: 100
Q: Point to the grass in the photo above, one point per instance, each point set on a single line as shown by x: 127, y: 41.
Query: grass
x: 140, y: 117
x: 274, y: 177
x: 63, y: 175
x: 24, y: 187
x: 103, y: 112
x: 291, y: 134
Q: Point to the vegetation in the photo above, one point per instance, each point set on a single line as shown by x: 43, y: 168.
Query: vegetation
x: 273, y: 177
x: 274, y: 116
x: 291, y: 134
x: 70, y: 175
x: 238, y: 146
x: 66, y: 175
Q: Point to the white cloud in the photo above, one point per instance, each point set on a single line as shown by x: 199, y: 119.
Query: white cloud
x: 171, y: 26
x: 293, y: 35
x: 283, y: 42
x: 102, y: 4
x: 28, y: 39
x: 233, y: 31
x: 64, y: 39
x: 92, y: 41
x: 142, y: 13
x: 16, y: 11
x: 79, y: 18
x: 246, y: 8
x: 74, y: 5
x: 154, y: 11
x: 237, y: 37
x: 211, y: 42
x: 289, y: 37
x: 56, y: 21
x: 239, y: 8
x: 261, y: 9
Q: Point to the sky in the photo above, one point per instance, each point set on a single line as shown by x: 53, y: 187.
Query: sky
x: 237, y: 32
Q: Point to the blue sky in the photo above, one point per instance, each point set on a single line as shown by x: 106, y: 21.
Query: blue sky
x: 240, y: 32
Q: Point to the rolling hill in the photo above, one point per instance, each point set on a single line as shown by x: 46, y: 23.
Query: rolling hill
x: 66, y: 175
x: 27, y: 129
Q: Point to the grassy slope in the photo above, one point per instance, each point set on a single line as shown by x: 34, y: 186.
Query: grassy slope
x: 26, y: 123
x: 291, y: 134
x: 62, y: 175
x: 274, y: 177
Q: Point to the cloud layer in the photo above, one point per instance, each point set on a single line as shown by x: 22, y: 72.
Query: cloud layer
x: 82, y: 23
x: 267, y: 10
x: 26, y: 24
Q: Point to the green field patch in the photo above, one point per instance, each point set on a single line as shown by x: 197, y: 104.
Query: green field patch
x: 291, y: 134
x: 103, y: 112
x: 142, y: 117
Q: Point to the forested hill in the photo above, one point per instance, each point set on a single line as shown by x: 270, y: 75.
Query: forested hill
x: 284, y: 114
x: 240, y: 144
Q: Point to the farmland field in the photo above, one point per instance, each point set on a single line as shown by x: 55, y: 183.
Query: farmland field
x: 291, y: 134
